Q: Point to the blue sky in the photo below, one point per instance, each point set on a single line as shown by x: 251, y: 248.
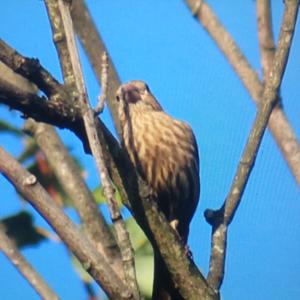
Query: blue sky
x: 160, y: 43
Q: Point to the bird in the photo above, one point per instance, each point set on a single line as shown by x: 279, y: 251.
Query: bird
x: 165, y: 155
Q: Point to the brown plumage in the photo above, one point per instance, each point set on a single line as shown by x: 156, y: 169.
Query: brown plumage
x: 165, y: 154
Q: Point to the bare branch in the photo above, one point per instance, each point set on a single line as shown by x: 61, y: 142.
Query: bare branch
x: 123, y: 175
x: 31, y: 69
x: 31, y: 105
x: 20, y: 94
x: 185, y: 274
x: 68, y: 54
x: 17, y: 93
x: 56, y: 153
x: 10, y: 77
x: 104, y: 84
x: 8, y: 247
x: 265, y: 35
x: 278, y: 124
x: 83, y: 249
x: 221, y: 219
x: 69, y: 176
x: 94, y: 47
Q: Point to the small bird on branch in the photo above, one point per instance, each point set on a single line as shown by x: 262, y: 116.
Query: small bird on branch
x: 165, y: 154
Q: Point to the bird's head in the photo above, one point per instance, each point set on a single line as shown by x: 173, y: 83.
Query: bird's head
x: 136, y: 95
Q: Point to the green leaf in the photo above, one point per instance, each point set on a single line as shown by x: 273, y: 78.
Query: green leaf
x: 144, y: 269
x: 143, y: 257
x: 138, y: 239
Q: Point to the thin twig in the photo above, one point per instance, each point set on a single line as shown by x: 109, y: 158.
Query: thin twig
x: 265, y: 36
x: 83, y: 249
x: 8, y: 247
x: 278, y: 123
x: 70, y: 177
x: 222, y: 219
x: 94, y: 47
x: 68, y: 54
x: 104, y: 84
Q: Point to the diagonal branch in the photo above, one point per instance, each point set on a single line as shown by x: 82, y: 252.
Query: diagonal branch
x: 70, y: 177
x: 36, y: 107
x: 95, y: 47
x: 8, y: 247
x: 9, y: 77
x: 18, y: 93
x: 61, y: 23
x: 31, y: 69
x: 83, y: 249
x: 50, y: 111
x: 278, y: 123
x: 221, y: 219
x: 185, y: 273
x: 56, y: 153
x: 134, y: 193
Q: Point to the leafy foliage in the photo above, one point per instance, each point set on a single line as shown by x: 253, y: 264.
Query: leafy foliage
x: 20, y: 228
x: 6, y: 127
x: 143, y: 258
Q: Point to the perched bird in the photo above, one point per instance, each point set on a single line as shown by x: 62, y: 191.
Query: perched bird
x: 165, y: 154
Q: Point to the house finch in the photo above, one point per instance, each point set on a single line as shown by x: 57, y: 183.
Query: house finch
x: 165, y: 154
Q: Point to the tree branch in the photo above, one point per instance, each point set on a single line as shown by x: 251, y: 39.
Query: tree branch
x: 31, y: 69
x: 69, y: 176
x: 18, y: 97
x: 278, y: 123
x: 95, y: 47
x: 8, y: 76
x: 124, y: 177
x: 38, y: 108
x: 82, y: 248
x: 61, y: 23
x: 265, y: 36
x: 185, y: 274
x: 221, y: 219
x: 8, y: 247
x: 18, y: 93
x: 56, y: 153
x: 104, y: 84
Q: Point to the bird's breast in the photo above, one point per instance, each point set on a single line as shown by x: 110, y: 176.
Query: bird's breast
x: 161, y: 148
